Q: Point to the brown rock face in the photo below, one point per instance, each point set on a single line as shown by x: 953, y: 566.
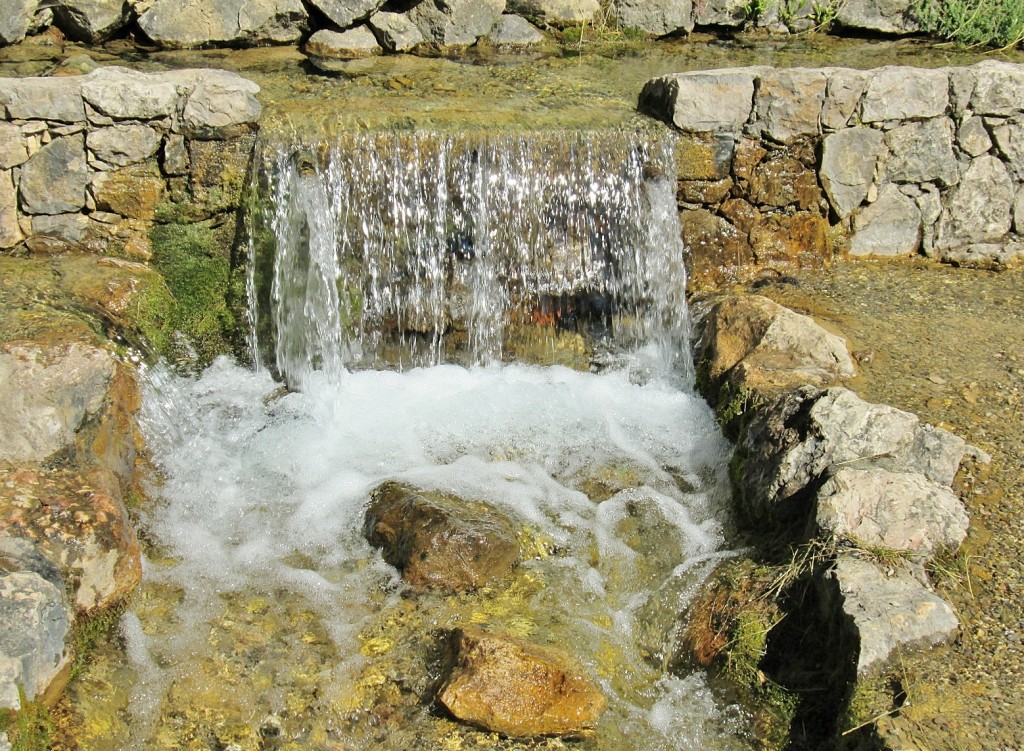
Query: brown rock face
x: 438, y: 540
x: 518, y: 689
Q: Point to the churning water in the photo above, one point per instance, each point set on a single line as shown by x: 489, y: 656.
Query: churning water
x: 266, y: 620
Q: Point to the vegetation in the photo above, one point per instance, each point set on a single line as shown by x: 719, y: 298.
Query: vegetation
x: 29, y: 729
x: 975, y: 23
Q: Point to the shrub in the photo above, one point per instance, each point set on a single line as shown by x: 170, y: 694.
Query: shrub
x: 975, y: 23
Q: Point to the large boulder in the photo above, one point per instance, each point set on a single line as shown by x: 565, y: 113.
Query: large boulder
x: 557, y: 12
x: 438, y: 540
x: 890, y: 226
x: 344, y: 13
x: 19, y: 17
x: 396, y: 32
x: 980, y: 208
x: 658, y: 17
x: 717, y: 101
x: 36, y: 624
x: 194, y: 23
x: 518, y: 689
x: 91, y: 21
x: 848, y: 160
x: 511, y: 31
x: 456, y: 22
x: 882, y: 16
x: 879, y: 508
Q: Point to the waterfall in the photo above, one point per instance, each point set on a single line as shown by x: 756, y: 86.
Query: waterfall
x: 419, y: 249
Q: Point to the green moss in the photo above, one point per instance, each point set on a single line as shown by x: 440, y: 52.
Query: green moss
x: 31, y: 728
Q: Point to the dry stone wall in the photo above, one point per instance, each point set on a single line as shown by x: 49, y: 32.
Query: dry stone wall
x: 785, y: 167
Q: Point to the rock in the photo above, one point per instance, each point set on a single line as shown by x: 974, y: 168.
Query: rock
x: 175, y: 157
x: 514, y: 31
x: 395, y: 31
x: 1009, y: 139
x: 704, y: 156
x: 344, y: 13
x: 781, y: 180
x: 91, y: 21
x: 134, y: 192
x: 891, y: 226
x: 937, y: 453
x: 721, y: 12
x: 193, y: 23
x: 905, y: 93
x: 518, y: 689
x: 10, y: 229
x: 438, y: 540
x: 1018, y: 211
x: 717, y: 250
x: 121, y: 145
x: 972, y: 136
x: 456, y: 22
x: 714, y: 101
x: 54, y: 179
x: 13, y: 149
x: 848, y: 160
x: 218, y: 173
x: 922, y: 152
x: 991, y: 256
x: 894, y: 510
x: 887, y: 614
x: 66, y: 233
x: 791, y: 442
x: 326, y: 49
x: 17, y: 17
x: 777, y: 347
x: 657, y: 17
x: 788, y: 103
x: 707, y: 192
x: 58, y: 99
x: 998, y: 88
x: 557, y: 12
x: 882, y: 16
x: 37, y: 621
x: 798, y: 240
x: 979, y: 209
x: 125, y: 94
x: 842, y: 95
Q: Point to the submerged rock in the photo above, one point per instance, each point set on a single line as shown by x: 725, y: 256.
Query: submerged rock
x: 330, y: 50
x: 438, y: 540
x: 518, y: 689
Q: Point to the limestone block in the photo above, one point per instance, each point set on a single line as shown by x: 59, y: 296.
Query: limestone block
x: 922, y: 152
x: 514, y: 31
x: 327, y: 48
x: 395, y: 31
x: 16, y: 19
x: 797, y: 240
x: 881, y: 16
x: 1009, y: 138
x: 972, y: 136
x: 789, y: 101
x: 193, y: 23
x: 848, y: 161
x: 1018, y: 212
x: 54, y: 180
x: 13, y: 146
x: 91, y: 21
x: 54, y: 99
x: 121, y: 145
x: 889, y: 613
x: 175, y: 157
x: 10, y: 230
x: 721, y: 12
x: 462, y: 22
x: 843, y: 93
x: 707, y: 101
x: 219, y: 101
x: 62, y: 233
x: 557, y: 12
x: 998, y: 88
x: 905, y: 93
x: 891, y: 226
x: 132, y: 192
x: 344, y: 13
x: 657, y: 17
x: 980, y: 208
x: 704, y: 157
x: 716, y: 249
x: 782, y: 180
x: 125, y: 94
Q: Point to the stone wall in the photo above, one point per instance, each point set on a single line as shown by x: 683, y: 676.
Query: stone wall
x: 786, y: 167
x: 89, y: 162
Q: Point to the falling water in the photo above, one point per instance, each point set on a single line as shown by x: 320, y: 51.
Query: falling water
x: 266, y: 620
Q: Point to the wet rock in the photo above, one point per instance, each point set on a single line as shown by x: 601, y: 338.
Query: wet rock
x: 121, y: 145
x: 58, y: 99
x: 91, y: 21
x: 972, y: 136
x: 193, y: 23
x: 791, y: 240
x: 905, y: 93
x: 781, y: 180
x: 922, y: 152
x: 557, y: 12
x: 64, y: 233
x: 894, y: 510
x: 657, y: 17
x: 329, y: 50
x: 54, y: 179
x: 717, y: 249
x: 842, y: 96
x: 13, y: 148
x: 887, y: 614
x: 218, y: 171
x: 133, y: 192
x: 395, y: 31
x: 979, y: 208
x: 704, y: 156
x: 848, y: 166
x: 714, y: 101
x: 789, y: 102
x: 792, y: 442
x: 721, y: 12
x: 890, y: 226
x: 37, y: 621
x: 456, y: 22
x: 438, y: 540
x: 998, y: 88
x: 708, y: 192
x: 1009, y: 138
x: 10, y: 229
x: 514, y: 31
x: 992, y: 256
x: 344, y: 13
x: 882, y: 16
x: 518, y: 689
x: 771, y: 345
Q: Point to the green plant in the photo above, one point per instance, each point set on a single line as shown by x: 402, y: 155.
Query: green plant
x: 754, y: 9
x: 824, y: 13
x: 30, y: 728
x: 973, y: 23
